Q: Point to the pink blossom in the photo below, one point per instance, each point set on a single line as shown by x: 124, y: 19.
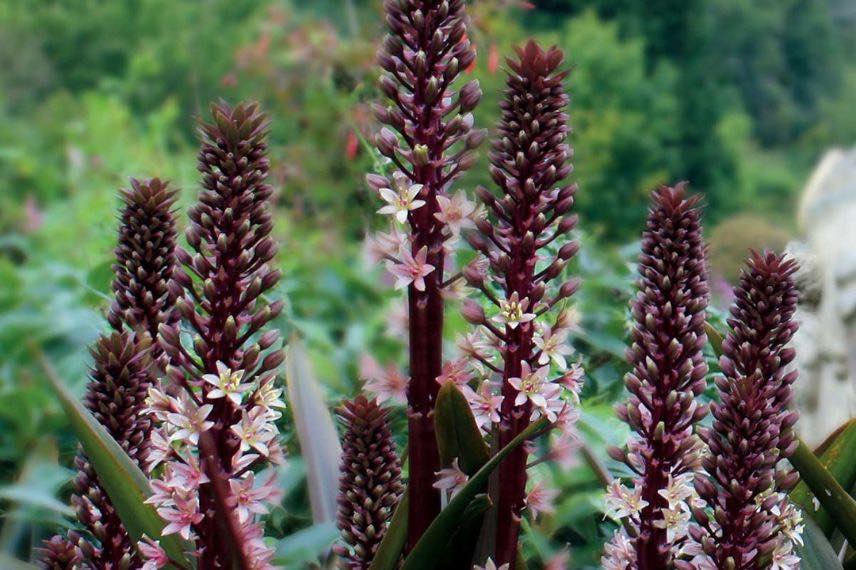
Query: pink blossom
x: 456, y: 212
x: 401, y: 200
x: 251, y: 499
x: 553, y: 346
x: 619, y: 553
x: 186, y: 475
x: 512, y: 311
x: 159, y: 450
x: 451, y: 479
x: 455, y: 371
x: 411, y: 270
x: 190, y: 421
x: 530, y: 385
x: 181, y: 517
x: 226, y: 383
x: 484, y: 404
x: 385, y: 245
x: 385, y: 383
x: 540, y: 499
x: 254, y: 431
x: 155, y: 556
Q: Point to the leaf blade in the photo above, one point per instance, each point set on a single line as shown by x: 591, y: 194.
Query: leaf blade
x: 458, y: 434
x: 838, y: 503
x: 816, y: 553
x: 442, y: 528
x: 838, y: 455
x: 126, y: 485
x: 316, y: 432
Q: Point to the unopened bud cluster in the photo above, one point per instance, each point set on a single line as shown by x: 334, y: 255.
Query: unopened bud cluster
x: 667, y: 377
x: 750, y: 521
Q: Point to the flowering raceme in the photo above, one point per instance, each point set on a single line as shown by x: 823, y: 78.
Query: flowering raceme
x: 121, y: 373
x: 668, y: 374
x: 429, y: 142
x: 753, y: 522
x: 217, y: 407
x: 524, y: 250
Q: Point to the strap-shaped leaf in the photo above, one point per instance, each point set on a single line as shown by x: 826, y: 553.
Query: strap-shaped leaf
x: 458, y: 434
x: 439, y: 533
x: 319, y: 444
x: 840, y: 506
x: 816, y: 553
x: 459, y: 554
x: 838, y: 455
x: 124, y: 482
x: 392, y: 545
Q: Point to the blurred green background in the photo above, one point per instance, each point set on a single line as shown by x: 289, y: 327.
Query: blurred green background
x: 740, y: 97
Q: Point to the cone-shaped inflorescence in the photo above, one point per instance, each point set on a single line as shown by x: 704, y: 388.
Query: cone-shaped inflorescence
x: 145, y: 259
x: 121, y: 374
x: 221, y: 407
x: 370, y: 485
x: 668, y: 374
x: 65, y: 553
x: 527, y: 249
x: 430, y: 142
x: 752, y: 521
x: 116, y: 394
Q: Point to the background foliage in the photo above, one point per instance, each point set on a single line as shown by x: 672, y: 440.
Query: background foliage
x: 738, y: 96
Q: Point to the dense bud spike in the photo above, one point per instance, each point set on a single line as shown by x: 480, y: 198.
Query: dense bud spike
x: 668, y: 373
x: 370, y: 486
x: 429, y: 140
x: 525, y: 247
x: 121, y: 374
x: 752, y: 429
x: 120, y: 377
x: 65, y: 553
x: 145, y: 258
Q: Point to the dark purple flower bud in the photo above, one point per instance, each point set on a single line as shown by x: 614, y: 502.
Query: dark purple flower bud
x: 752, y: 429
x: 370, y: 485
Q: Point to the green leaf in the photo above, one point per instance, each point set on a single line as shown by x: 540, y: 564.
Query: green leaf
x: 459, y: 553
x: 439, y: 533
x: 838, y: 455
x: 124, y: 482
x: 302, y: 548
x: 458, y: 434
x: 319, y: 443
x: 816, y: 552
x: 714, y: 338
x: 840, y: 506
x: 392, y: 544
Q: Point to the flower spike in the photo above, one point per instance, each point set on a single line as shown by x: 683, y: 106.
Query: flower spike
x: 668, y: 375
x: 429, y: 143
x: 753, y: 427
x: 524, y: 252
x: 217, y: 412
